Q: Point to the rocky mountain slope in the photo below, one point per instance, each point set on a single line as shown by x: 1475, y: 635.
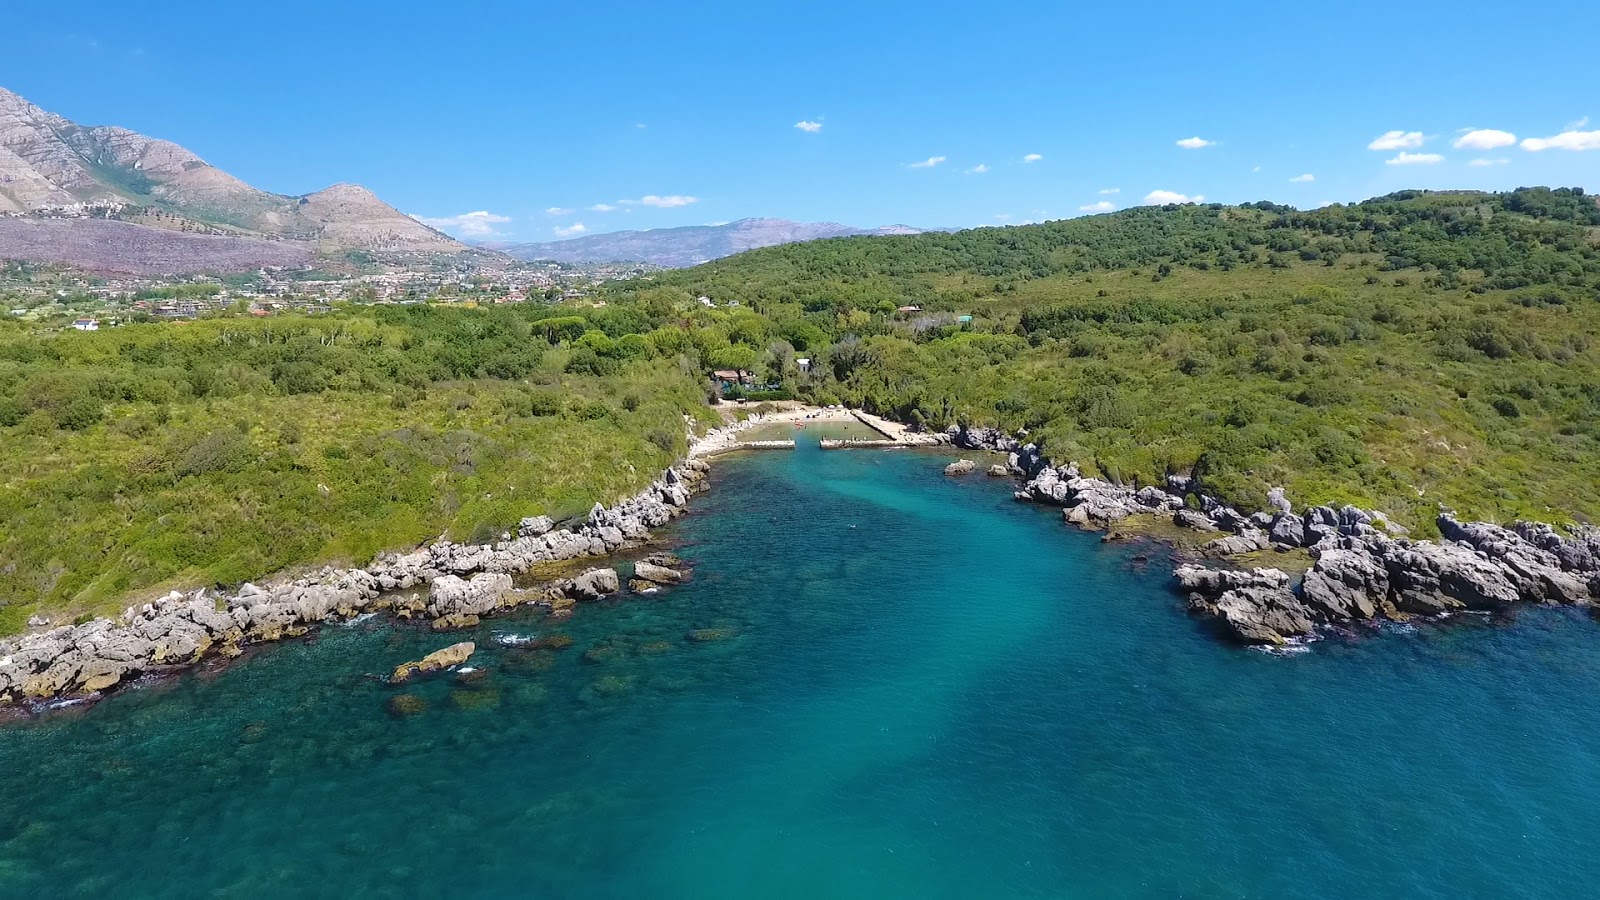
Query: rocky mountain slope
x: 690, y: 245
x: 50, y: 165
x: 126, y: 249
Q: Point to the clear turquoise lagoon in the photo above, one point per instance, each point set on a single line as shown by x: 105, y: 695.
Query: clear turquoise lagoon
x: 905, y: 686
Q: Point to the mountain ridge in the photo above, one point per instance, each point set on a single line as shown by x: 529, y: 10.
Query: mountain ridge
x: 52, y: 166
x: 690, y: 245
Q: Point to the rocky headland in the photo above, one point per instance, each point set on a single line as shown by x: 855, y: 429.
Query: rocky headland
x: 1363, y: 567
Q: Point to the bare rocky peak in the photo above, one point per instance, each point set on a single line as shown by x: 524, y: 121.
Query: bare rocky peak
x: 353, y: 217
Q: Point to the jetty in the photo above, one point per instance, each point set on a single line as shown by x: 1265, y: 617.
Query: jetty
x: 894, y: 435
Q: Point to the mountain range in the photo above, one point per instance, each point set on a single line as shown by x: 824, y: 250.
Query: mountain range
x: 689, y: 245
x: 161, y: 196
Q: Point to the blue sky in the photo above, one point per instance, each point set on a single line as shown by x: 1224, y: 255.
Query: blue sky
x: 538, y: 117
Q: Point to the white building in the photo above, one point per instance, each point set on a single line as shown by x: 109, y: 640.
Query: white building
x: 86, y: 324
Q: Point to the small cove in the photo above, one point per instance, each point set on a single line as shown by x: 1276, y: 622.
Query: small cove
x: 881, y: 682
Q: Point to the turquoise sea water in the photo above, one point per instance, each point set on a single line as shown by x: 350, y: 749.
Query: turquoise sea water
x: 917, y: 688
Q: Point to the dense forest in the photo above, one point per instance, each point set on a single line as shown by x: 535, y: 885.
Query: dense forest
x: 1410, y: 351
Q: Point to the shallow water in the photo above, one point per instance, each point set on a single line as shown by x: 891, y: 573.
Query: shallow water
x: 904, y: 685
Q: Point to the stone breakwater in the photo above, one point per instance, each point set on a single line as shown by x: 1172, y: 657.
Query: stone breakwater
x: 1364, y: 566
x: 463, y: 581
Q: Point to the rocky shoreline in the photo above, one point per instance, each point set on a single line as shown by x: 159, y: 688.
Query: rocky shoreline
x: 1364, y: 566
x: 459, y: 584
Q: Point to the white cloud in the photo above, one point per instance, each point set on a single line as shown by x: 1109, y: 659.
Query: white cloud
x: 640, y: 125
x: 1303, y: 179
x: 1102, y: 206
x: 1106, y: 192
x: 670, y: 201
x: 1485, y: 139
x: 978, y: 169
x: 602, y: 207
x: 558, y: 211
x: 1004, y: 217
x: 928, y: 163
x: 808, y: 126
x: 1486, y: 163
x: 1033, y: 157
x: 1566, y: 140
x: 1255, y: 168
x: 1414, y: 159
x: 472, y: 224
x: 1576, y: 126
x: 570, y: 230
x: 1195, y: 143
x: 1397, y: 140
x: 1162, y: 198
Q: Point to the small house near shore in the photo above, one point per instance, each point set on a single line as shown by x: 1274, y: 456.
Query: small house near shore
x: 734, y: 378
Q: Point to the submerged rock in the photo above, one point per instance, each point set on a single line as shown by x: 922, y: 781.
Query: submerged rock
x: 403, y: 705
x: 453, y: 655
x: 456, y: 621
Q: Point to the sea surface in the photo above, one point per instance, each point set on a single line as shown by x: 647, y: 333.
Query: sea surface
x: 881, y: 682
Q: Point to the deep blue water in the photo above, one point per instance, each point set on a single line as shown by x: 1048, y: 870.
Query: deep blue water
x: 918, y: 688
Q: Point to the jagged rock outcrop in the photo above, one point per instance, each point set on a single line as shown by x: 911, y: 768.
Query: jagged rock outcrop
x: 592, y: 585
x: 960, y: 467
x: 1345, y: 584
x: 1287, y: 530
x: 1362, y: 573
x: 450, y: 595
x: 1189, y: 518
x: 1247, y: 540
x: 1429, y: 578
x: 657, y: 574
x: 1537, y: 573
x: 1256, y: 605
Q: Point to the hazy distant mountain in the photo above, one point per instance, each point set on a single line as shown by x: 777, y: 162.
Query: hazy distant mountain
x: 689, y: 245
x: 50, y: 166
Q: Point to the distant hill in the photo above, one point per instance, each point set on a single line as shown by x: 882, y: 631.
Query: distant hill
x: 51, y: 166
x: 692, y: 244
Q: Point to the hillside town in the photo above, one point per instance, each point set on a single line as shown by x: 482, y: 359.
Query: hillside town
x: 62, y: 298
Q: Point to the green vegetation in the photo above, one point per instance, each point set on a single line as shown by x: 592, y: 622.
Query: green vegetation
x: 1413, y: 350
x: 1401, y: 353
x: 217, y: 451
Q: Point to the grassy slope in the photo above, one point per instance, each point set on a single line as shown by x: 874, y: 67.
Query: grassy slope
x: 169, y: 489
